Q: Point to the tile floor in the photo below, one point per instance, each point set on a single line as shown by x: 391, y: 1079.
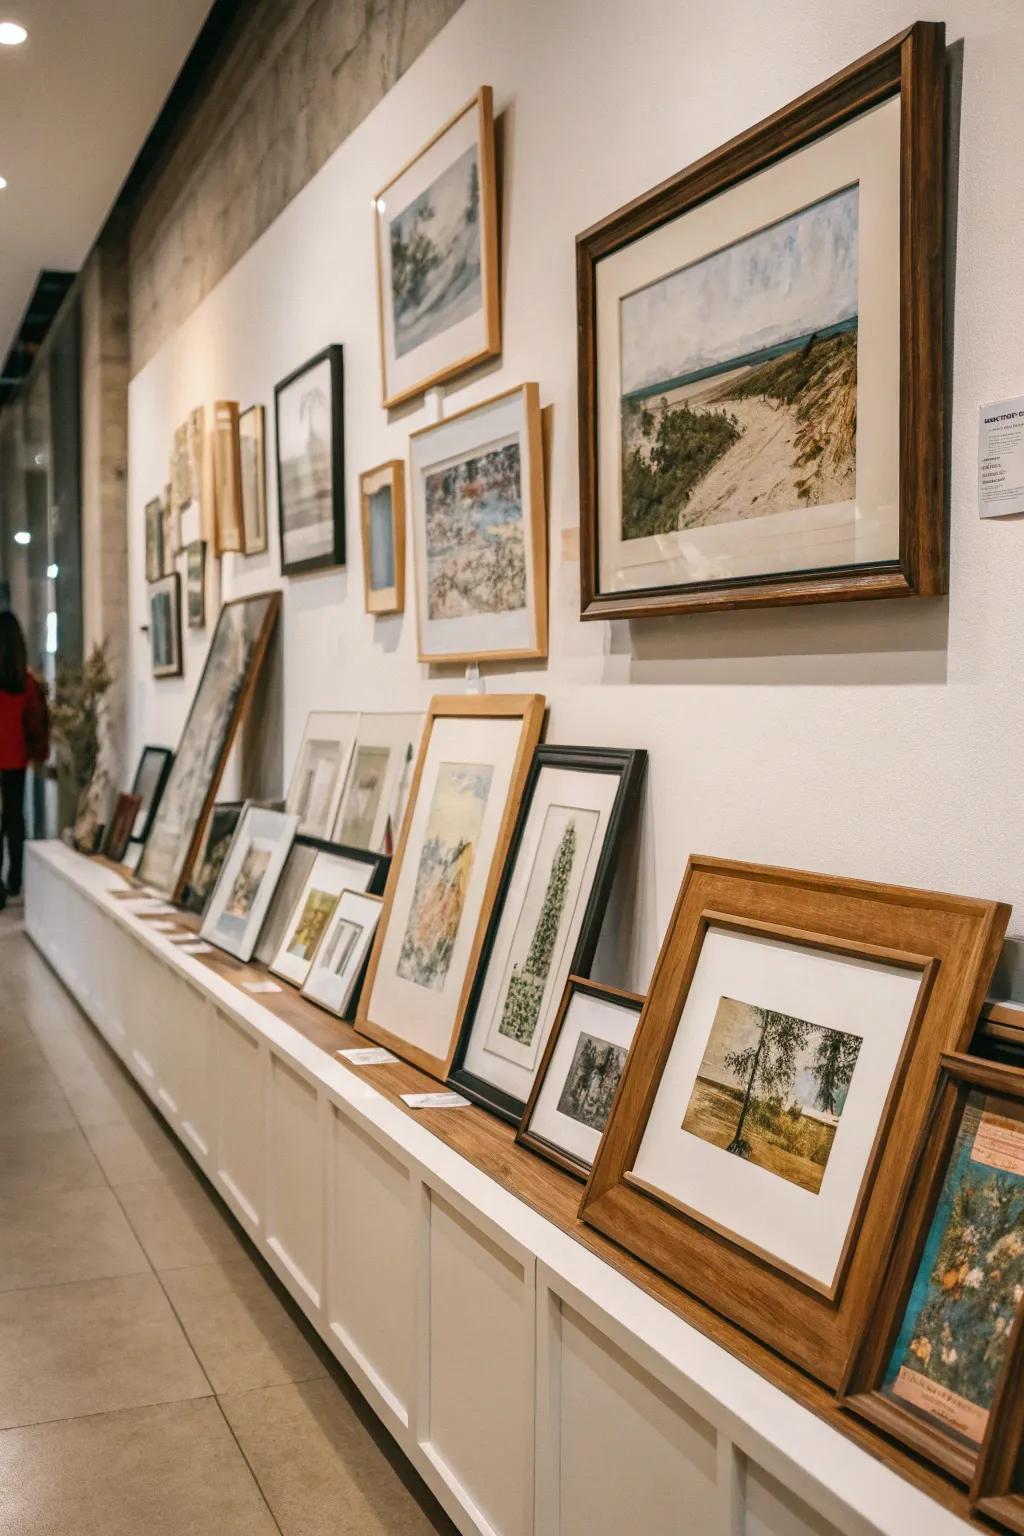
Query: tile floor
x: 154, y: 1378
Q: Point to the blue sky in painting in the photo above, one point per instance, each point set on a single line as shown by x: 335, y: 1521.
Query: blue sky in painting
x: 794, y: 277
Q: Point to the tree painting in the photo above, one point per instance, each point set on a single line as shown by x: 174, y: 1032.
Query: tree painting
x: 436, y: 255
x: 521, y: 1012
x: 772, y: 1088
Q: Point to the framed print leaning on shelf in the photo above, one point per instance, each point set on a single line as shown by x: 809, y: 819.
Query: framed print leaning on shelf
x: 761, y: 359
x: 382, y: 504
x: 378, y: 780
x: 253, y: 479
x: 247, y: 879
x: 579, y: 1074
x: 297, y: 866
x: 342, y: 953
x: 437, y: 257
x: 779, y: 1083
x: 119, y: 832
x: 930, y: 1369
x: 546, y: 918
x: 309, y: 414
x: 213, y: 850
x: 320, y: 769
x: 333, y: 870
x: 148, y: 784
x: 474, y: 758
x: 165, y: 626
x: 480, y: 532
x: 233, y: 662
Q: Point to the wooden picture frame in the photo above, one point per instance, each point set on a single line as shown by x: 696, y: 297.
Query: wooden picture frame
x: 910, y: 68
x: 341, y: 999
x: 933, y: 953
x: 527, y: 712
x: 252, y: 452
x: 526, y: 1134
x: 383, y: 528
x: 461, y: 352
x: 119, y: 831
x: 628, y: 767
x: 227, y: 479
x: 498, y: 633
x: 961, y: 1078
x: 997, y: 1488
x: 149, y: 786
x: 340, y: 869
x: 327, y: 548
x: 165, y: 626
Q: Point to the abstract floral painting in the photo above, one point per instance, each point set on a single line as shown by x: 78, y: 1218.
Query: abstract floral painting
x: 476, y: 548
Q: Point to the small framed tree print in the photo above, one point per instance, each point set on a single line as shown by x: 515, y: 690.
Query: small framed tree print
x: 437, y: 257
x: 761, y: 359
x: 382, y: 504
x: 309, y: 415
x: 165, y: 626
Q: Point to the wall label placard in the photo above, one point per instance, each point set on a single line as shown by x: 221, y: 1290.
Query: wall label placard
x: 1001, y: 458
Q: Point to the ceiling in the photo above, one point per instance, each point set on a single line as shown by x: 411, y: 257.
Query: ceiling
x: 77, y: 100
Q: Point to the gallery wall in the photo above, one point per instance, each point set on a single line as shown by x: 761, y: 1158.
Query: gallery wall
x: 881, y: 740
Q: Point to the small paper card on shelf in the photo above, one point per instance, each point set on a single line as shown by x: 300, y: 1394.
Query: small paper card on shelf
x: 434, y: 1100
x: 165, y: 927
x: 367, y: 1056
x: 147, y: 908
x: 256, y: 987
x: 197, y: 949
x: 1001, y: 458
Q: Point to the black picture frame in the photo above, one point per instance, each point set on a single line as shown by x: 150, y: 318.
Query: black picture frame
x: 168, y: 760
x: 334, y: 355
x: 169, y: 585
x: 378, y: 880
x: 630, y: 764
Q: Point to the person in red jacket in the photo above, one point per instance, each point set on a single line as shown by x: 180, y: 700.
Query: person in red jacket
x: 24, y: 738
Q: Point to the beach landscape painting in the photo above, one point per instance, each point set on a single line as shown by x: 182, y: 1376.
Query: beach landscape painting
x: 739, y: 378
x: 771, y: 1089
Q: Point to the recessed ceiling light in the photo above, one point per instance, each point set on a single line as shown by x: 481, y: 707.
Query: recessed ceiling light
x: 23, y: 537
x: 12, y: 33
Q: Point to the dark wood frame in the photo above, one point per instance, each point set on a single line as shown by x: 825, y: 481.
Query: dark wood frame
x: 862, y: 1393
x: 334, y: 355
x: 176, y: 669
x: 242, y: 702
x: 574, y: 986
x: 168, y: 757
x: 630, y: 764
x: 910, y: 65
x: 192, y: 899
x: 200, y: 623
x: 117, y: 835
x: 953, y: 941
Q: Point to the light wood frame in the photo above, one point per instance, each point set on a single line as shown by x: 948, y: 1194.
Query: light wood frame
x: 911, y: 66
x: 862, y: 1392
x: 380, y: 600
x: 171, y: 583
x: 953, y: 941
x: 483, y: 104
x: 258, y: 544
x: 227, y: 479
x: 534, y: 514
x: 528, y: 708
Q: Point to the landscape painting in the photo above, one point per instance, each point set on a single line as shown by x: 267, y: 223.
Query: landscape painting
x: 475, y: 535
x: 307, y: 424
x: 446, y: 862
x: 739, y: 378
x: 772, y: 1089
x: 313, y: 919
x: 592, y: 1079
x: 969, y: 1286
x: 362, y: 796
x: 437, y: 256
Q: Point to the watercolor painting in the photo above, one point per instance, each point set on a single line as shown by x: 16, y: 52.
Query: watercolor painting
x: 382, y: 540
x: 475, y: 537
x: 739, y: 378
x: 969, y: 1285
x: 308, y: 931
x: 772, y: 1089
x: 591, y: 1081
x: 315, y: 781
x: 446, y: 862
x: 304, y: 429
x: 362, y: 796
x: 436, y: 256
x: 247, y: 882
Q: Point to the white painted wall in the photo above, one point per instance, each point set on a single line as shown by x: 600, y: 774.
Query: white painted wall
x: 879, y: 740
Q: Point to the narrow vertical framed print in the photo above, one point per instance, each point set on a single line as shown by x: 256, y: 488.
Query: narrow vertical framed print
x: 195, y: 583
x: 309, y: 414
x: 154, y: 539
x: 252, y: 457
x: 480, y: 532
x: 761, y: 359
x: 227, y: 479
x: 247, y: 879
x: 165, y: 626
x: 321, y: 769
x: 436, y: 226
x: 382, y: 507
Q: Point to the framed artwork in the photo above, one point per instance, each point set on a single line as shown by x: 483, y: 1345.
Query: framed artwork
x: 382, y: 505
x: 333, y: 870
x: 546, y: 918
x: 201, y: 500
x: 437, y: 257
x: 181, y: 468
x: 761, y: 363
x: 378, y: 780
x: 195, y: 584
x: 290, y: 886
x: 233, y: 662
x: 148, y: 784
x: 245, y: 885
x: 314, y: 793
x: 340, y: 958
x: 171, y: 540
x: 165, y: 626
x: 253, y: 478
x: 480, y: 532
x: 952, y: 1299
x: 119, y: 832
x: 227, y: 478
x: 580, y: 1070
x: 213, y: 850
x: 309, y: 417
x: 154, y: 539
x: 778, y: 1086
x: 474, y: 758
